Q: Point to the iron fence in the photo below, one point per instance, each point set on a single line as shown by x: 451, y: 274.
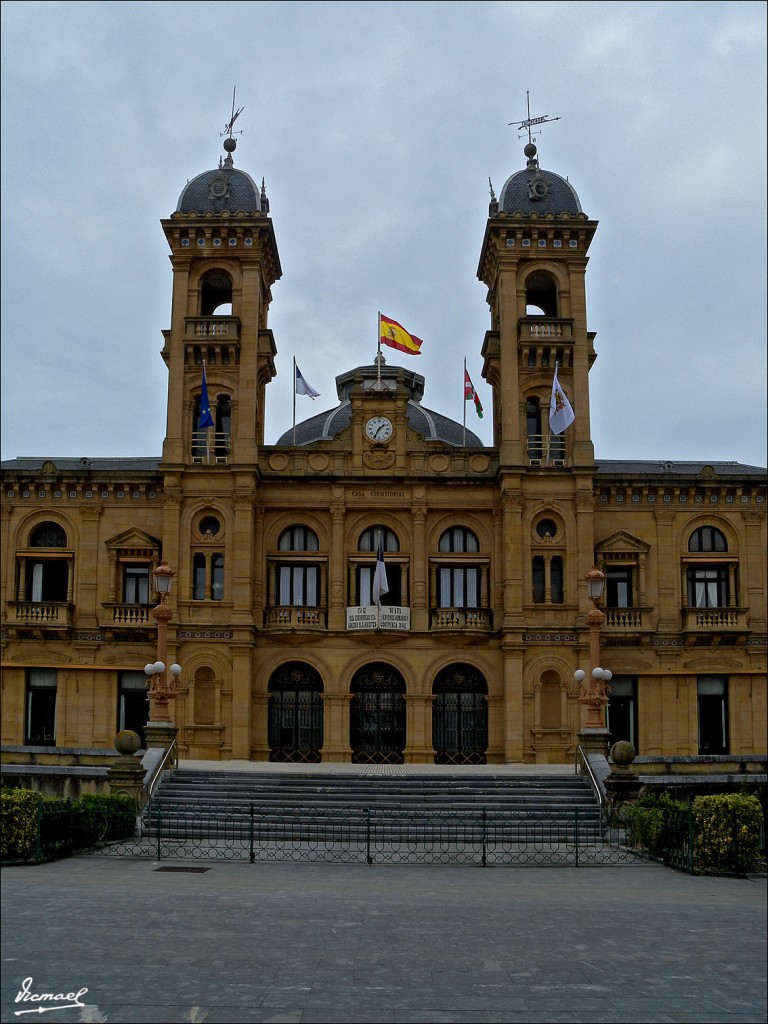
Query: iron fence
x: 252, y: 832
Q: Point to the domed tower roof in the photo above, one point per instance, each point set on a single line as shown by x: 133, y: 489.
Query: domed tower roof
x: 225, y: 188
x: 432, y: 426
x: 535, y: 190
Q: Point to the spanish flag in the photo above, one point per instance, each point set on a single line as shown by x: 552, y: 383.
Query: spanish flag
x: 394, y: 335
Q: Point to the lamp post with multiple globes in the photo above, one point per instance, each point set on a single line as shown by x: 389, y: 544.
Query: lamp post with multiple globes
x: 161, y: 688
x: 595, y: 691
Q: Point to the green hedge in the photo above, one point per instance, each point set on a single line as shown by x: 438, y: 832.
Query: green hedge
x: 36, y: 827
x: 727, y: 830
x: 717, y: 833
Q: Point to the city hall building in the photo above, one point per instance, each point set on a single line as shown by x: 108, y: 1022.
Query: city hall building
x: 470, y: 657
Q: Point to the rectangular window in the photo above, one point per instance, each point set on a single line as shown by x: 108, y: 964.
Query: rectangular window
x: 712, y: 694
x: 132, y: 703
x: 459, y: 587
x: 538, y: 580
x: 298, y: 585
x: 708, y: 586
x: 622, y: 710
x: 365, y: 584
x: 46, y: 580
x: 208, y: 577
x: 41, y: 707
x: 618, y: 587
x: 136, y: 584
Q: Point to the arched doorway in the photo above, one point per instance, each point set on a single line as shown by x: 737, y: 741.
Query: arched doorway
x: 295, y: 714
x: 377, y: 716
x: 460, y: 716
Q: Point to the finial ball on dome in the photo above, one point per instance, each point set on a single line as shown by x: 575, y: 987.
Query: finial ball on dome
x: 530, y: 149
x: 230, y: 145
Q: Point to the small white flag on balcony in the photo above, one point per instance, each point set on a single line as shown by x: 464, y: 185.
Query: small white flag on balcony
x: 561, y: 415
x: 380, y: 585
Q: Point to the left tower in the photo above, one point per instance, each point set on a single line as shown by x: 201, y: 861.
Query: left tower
x: 225, y: 261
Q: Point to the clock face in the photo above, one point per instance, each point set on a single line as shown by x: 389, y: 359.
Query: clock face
x: 378, y: 428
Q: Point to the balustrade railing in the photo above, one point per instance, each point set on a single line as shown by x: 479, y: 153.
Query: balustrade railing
x: 293, y: 617
x: 714, y: 619
x: 131, y: 614
x: 461, y: 618
x: 53, y: 612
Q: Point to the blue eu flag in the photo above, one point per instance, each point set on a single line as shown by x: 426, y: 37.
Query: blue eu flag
x: 204, y: 419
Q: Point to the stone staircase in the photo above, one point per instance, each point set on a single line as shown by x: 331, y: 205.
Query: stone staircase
x: 200, y: 803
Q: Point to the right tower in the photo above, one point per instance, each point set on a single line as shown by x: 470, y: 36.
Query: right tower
x: 533, y: 262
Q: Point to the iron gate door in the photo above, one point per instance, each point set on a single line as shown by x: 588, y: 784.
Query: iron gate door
x: 377, y: 716
x: 295, y: 714
x: 460, y: 716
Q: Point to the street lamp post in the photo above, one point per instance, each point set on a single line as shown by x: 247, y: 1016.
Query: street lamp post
x: 594, y: 693
x: 161, y: 689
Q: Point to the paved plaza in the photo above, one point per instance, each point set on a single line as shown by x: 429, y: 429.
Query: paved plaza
x: 301, y: 942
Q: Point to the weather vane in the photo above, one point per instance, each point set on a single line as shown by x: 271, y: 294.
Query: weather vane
x: 529, y: 121
x: 228, y: 128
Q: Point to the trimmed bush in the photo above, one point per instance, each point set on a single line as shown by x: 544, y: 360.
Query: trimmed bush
x: 36, y: 827
x: 727, y: 832
x: 657, y: 824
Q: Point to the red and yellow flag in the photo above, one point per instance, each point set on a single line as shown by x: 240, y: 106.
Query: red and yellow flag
x: 395, y: 335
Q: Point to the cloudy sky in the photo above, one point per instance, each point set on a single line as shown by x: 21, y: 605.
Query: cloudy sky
x: 377, y: 127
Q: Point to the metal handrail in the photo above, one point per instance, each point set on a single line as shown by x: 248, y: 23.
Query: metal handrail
x: 150, y: 784
x: 597, y: 789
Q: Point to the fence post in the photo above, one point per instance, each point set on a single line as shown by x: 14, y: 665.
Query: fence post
x: 253, y: 855
x: 576, y: 834
x: 690, y: 841
x: 368, y: 857
x: 484, y: 838
x: 159, y: 828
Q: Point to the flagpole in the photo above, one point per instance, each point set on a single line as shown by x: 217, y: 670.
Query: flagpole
x: 378, y: 356
x: 294, y: 401
x: 207, y: 431
x: 464, y: 403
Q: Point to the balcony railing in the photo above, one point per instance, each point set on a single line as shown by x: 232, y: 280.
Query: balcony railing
x: 210, y: 449
x: 623, y: 618
x: 131, y: 614
x: 294, y: 617
x: 535, y: 328
x: 51, y: 613
x: 201, y: 327
x: 715, y: 620
x: 545, y: 450
x: 461, y: 618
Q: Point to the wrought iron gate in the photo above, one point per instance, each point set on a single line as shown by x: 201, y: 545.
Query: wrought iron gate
x: 460, y: 716
x: 377, y: 716
x: 295, y: 714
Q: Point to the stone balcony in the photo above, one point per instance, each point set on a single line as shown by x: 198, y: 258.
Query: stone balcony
x: 461, y: 618
x: 294, y: 617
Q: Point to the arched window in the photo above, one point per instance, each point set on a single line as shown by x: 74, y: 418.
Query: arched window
x: 540, y: 296
x: 215, y: 292
x: 533, y: 430
x: 369, y: 543
x: 459, y: 583
x: 707, y: 538
x: 44, y: 578
x: 298, y: 538
x: 48, y: 535
x: 297, y: 581
x: 460, y: 716
x: 295, y: 714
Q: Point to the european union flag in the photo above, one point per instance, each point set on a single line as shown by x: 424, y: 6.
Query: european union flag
x: 204, y: 419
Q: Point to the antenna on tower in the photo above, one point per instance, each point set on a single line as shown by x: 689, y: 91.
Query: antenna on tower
x: 229, y: 126
x: 529, y: 121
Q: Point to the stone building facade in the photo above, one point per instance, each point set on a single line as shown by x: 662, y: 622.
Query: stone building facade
x: 471, y: 657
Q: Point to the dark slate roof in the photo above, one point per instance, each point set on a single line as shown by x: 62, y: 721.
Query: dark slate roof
x: 558, y: 195
x: 223, y: 188
x: 659, y: 467
x: 68, y: 465
x: 431, y: 425
x: 535, y: 190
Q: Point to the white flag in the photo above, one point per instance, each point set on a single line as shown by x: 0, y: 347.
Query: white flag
x: 302, y: 387
x: 380, y: 585
x: 561, y: 415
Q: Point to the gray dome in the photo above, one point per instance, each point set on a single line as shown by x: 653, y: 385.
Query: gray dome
x: 538, y: 191
x: 223, y: 188
x: 433, y: 426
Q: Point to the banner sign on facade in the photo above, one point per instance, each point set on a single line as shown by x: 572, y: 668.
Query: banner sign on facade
x: 371, y: 617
